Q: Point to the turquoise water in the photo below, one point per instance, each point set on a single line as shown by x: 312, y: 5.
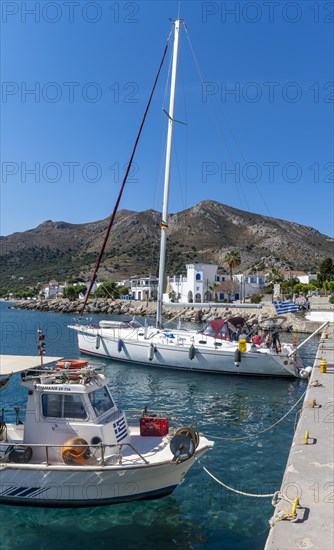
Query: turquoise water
x: 200, y: 514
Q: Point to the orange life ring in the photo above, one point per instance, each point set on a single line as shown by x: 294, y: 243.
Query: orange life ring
x: 78, y: 454
x: 72, y: 364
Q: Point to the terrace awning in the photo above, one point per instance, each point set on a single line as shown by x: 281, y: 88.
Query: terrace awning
x: 11, y: 364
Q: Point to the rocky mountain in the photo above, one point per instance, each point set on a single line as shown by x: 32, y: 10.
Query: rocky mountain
x: 203, y: 233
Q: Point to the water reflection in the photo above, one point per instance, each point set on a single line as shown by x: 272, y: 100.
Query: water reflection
x: 200, y: 514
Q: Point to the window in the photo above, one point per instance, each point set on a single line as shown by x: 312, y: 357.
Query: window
x: 52, y: 405
x: 101, y: 401
x: 73, y: 407
x: 68, y: 406
x: 198, y: 276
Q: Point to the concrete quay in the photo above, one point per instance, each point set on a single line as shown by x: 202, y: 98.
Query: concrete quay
x: 309, y: 474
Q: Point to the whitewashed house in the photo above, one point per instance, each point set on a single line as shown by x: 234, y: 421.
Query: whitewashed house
x: 249, y: 284
x: 197, y: 286
x: 302, y: 277
x: 202, y: 284
x: 144, y: 288
x: 51, y: 290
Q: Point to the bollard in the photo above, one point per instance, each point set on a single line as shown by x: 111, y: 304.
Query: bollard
x: 306, y: 437
x: 323, y: 366
x: 294, y: 507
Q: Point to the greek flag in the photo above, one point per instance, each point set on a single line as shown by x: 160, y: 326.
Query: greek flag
x: 120, y: 429
x: 285, y: 307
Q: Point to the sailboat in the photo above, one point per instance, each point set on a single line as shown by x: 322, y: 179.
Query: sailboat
x: 212, y: 350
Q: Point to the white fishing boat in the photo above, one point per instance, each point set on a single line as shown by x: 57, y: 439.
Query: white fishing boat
x: 211, y: 350
x: 75, y: 448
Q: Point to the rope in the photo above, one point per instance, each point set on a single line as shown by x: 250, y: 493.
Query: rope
x: 235, y: 490
x: 275, y: 496
x: 263, y: 431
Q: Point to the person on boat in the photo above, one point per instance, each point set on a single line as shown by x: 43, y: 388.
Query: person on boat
x: 268, y: 340
x: 236, y: 334
x: 257, y: 340
x: 276, y: 342
x: 241, y: 333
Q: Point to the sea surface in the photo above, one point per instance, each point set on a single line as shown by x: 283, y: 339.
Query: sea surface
x: 200, y: 514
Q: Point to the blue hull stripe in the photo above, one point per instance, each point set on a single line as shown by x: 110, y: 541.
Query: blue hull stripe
x: 41, y: 503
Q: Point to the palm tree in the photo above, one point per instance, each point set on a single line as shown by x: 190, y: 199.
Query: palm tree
x: 232, y: 259
x: 274, y: 276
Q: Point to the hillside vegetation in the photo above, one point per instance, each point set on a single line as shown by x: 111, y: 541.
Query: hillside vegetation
x: 203, y: 233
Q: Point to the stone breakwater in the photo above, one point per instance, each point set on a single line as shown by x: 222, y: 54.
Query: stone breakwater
x: 291, y: 321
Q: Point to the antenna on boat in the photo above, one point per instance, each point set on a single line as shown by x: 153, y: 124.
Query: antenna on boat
x: 164, y: 224
x: 41, y: 345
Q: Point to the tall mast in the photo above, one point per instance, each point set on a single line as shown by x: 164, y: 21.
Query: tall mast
x: 164, y: 223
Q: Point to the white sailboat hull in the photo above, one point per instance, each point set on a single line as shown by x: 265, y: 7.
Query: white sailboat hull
x: 184, y: 350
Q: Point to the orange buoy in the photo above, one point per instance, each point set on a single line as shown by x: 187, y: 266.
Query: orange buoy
x: 72, y: 364
x: 75, y: 451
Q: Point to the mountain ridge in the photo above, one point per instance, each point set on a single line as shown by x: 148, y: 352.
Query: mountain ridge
x: 201, y: 233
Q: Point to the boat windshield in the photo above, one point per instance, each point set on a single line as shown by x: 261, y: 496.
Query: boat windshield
x: 101, y: 401
x: 56, y: 405
x: 218, y: 328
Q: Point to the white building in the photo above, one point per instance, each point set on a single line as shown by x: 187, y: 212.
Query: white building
x: 144, y: 288
x: 197, y: 286
x: 302, y: 277
x: 249, y: 284
x: 202, y: 282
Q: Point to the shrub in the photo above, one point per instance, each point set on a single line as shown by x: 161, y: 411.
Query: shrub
x: 256, y: 298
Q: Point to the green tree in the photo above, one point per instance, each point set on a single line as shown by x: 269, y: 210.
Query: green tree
x: 288, y: 284
x: 301, y: 288
x: 70, y: 292
x: 108, y: 289
x: 123, y: 291
x: 232, y: 259
x: 326, y: 270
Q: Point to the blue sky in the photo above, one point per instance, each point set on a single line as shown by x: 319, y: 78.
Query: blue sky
x: 256, y: 91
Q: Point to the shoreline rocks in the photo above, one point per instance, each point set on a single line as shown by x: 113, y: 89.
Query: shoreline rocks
x: 290, y: 321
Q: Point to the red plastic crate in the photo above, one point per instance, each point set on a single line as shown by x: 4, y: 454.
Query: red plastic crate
x: 153, y: 426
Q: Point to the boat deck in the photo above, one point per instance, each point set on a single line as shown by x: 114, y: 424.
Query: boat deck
x: 310, y: 469
x: 155, y: 449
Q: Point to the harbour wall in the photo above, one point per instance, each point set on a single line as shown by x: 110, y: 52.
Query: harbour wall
x: 308, y: 523
x: 290, y: 322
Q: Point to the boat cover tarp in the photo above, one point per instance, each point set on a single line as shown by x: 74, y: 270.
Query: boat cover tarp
x: 10, y: 364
